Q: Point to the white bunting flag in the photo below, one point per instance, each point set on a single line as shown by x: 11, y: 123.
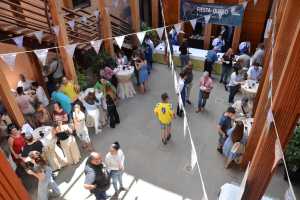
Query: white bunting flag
x: 245, y: 4
x: 70, y: 49
x: 141, y: 36
x: 160, y: 32
x: 193, y: 23
x: 270, y: 93
x: 278, y: 153
x: 71, y: 23
x: 206, y: 19
x: 184, y: 125
x: 193, y: 155
x: 96, y: 45
x: 243, y: 183
x: 96, y: 13
x: 254, y: 2
x: 39, y: 36
x: 10, y: 60
x: 120, y: 41
x: 19, y: 41
x: 55, y: 30
x: 289, y: 194
x: 41, y: 54
x: 268, y: 28
x: 177, y: 27
x: 270, y: 117
x: 83, y: 19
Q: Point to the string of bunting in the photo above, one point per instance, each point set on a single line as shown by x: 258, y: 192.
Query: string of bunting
x: 9, y: 58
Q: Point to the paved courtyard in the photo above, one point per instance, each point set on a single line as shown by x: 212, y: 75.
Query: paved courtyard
x: 157, y: 172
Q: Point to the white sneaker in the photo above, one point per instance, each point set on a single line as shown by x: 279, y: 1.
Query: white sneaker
x: 98, y: 131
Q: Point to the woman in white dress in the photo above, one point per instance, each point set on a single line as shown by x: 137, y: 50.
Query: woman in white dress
x: 81, y: 129
x: 92, y: 105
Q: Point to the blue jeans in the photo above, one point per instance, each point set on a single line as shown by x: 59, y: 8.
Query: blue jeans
x: 233, y: 90
x: 201, y: 100
x: 226, y: 71
x: 184, y: 60
x: 116, y: 176
x: 100, y: 195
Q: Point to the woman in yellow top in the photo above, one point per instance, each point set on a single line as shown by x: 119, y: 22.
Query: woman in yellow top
x: 70, y: 89
x: 164, y: 113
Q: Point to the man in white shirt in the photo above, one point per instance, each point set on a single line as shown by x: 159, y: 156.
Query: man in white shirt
x: 254, y: 72
x: 40, y: 94
x: 24, y: 83
x: 24, y: 102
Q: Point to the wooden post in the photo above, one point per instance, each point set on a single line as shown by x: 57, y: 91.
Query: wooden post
x: 105, y: 27
x: 283, y: 42
x: 285, y: 103
x: 68, y: 4
x: 135, y: 15
x: 207, y: 32
x: 236, y: 38
x: 62, y: 39
x: 155, y: 13
x: 9, y: 101
x: 11, y: 188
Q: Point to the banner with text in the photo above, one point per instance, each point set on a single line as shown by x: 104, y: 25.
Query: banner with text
x: 231, y: 15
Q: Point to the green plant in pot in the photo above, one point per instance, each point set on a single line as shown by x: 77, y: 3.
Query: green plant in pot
x: 292, y: 156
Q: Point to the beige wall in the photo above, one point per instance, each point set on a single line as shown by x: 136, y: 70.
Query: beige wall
x: 24, y: 65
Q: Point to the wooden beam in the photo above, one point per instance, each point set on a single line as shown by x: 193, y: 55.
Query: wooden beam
x: 284, y: 115
x: 8, y: 99
x: 155, y: 13
x: 105, y: 27
x: 207, y: 32
x: 236, y: 38
x: 283, y: 41
x: 68, y: 3
x: 62, y: 39
x: 135, y: 15
x: 11, y: 186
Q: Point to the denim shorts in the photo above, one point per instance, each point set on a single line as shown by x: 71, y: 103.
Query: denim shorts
x: 165, y: 126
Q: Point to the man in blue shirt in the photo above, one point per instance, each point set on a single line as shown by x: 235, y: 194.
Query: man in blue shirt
x: 211, y: 58
x: 63, y: 100
x: 254, y: 72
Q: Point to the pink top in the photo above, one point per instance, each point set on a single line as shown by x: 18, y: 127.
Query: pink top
x: 206, y: 84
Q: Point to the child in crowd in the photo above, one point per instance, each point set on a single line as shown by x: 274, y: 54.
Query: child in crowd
x: 113, y: 114
x: 164, y: 113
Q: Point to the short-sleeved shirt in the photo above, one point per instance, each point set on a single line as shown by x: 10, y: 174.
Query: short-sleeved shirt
x: 36, y: 146
x: 254, y: 74
x: 69, y: 90
x: 164, y: 112
x: 63, y: 99
x: 24, y: 103
x: 225, y: 123
x: 211, y: 56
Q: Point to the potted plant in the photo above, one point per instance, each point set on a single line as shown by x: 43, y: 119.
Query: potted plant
x: 292, y: 156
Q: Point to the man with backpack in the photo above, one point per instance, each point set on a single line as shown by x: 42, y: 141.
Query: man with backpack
x: 97, y: 179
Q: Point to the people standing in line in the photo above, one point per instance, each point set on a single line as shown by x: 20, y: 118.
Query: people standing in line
x: 97, y: 179
x: 258, y: 56
x: 81, y: 128
x: 69, y: 88
x: 210, y: 60
x: 165, y: 114
x: 182, y: 91
x: 188, y: 70
x: 205, y: 85
x: 43, y: 173
x: 227, y: 60
x: 114, y: 161
x: 184, y: 54
x: 62, y: 99
x: 113, y: 115
x: 225, y: 123
x: 236, y: 79
x: 24, y: 83
x: 234, y: 145
x: 40, y: 94
x: 67, y: 142
x: 254, y: 72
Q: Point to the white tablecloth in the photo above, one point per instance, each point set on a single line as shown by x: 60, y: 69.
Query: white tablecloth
x: 48, y: 138
x: 196, y: 54
x: 249, y: 88
x: 125, y: 87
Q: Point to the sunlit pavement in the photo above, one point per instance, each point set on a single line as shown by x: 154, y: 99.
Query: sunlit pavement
x: 157, y: 172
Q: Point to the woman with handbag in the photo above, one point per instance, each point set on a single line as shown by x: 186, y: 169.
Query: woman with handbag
x: 234, y: 145
x: 206, y: 85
